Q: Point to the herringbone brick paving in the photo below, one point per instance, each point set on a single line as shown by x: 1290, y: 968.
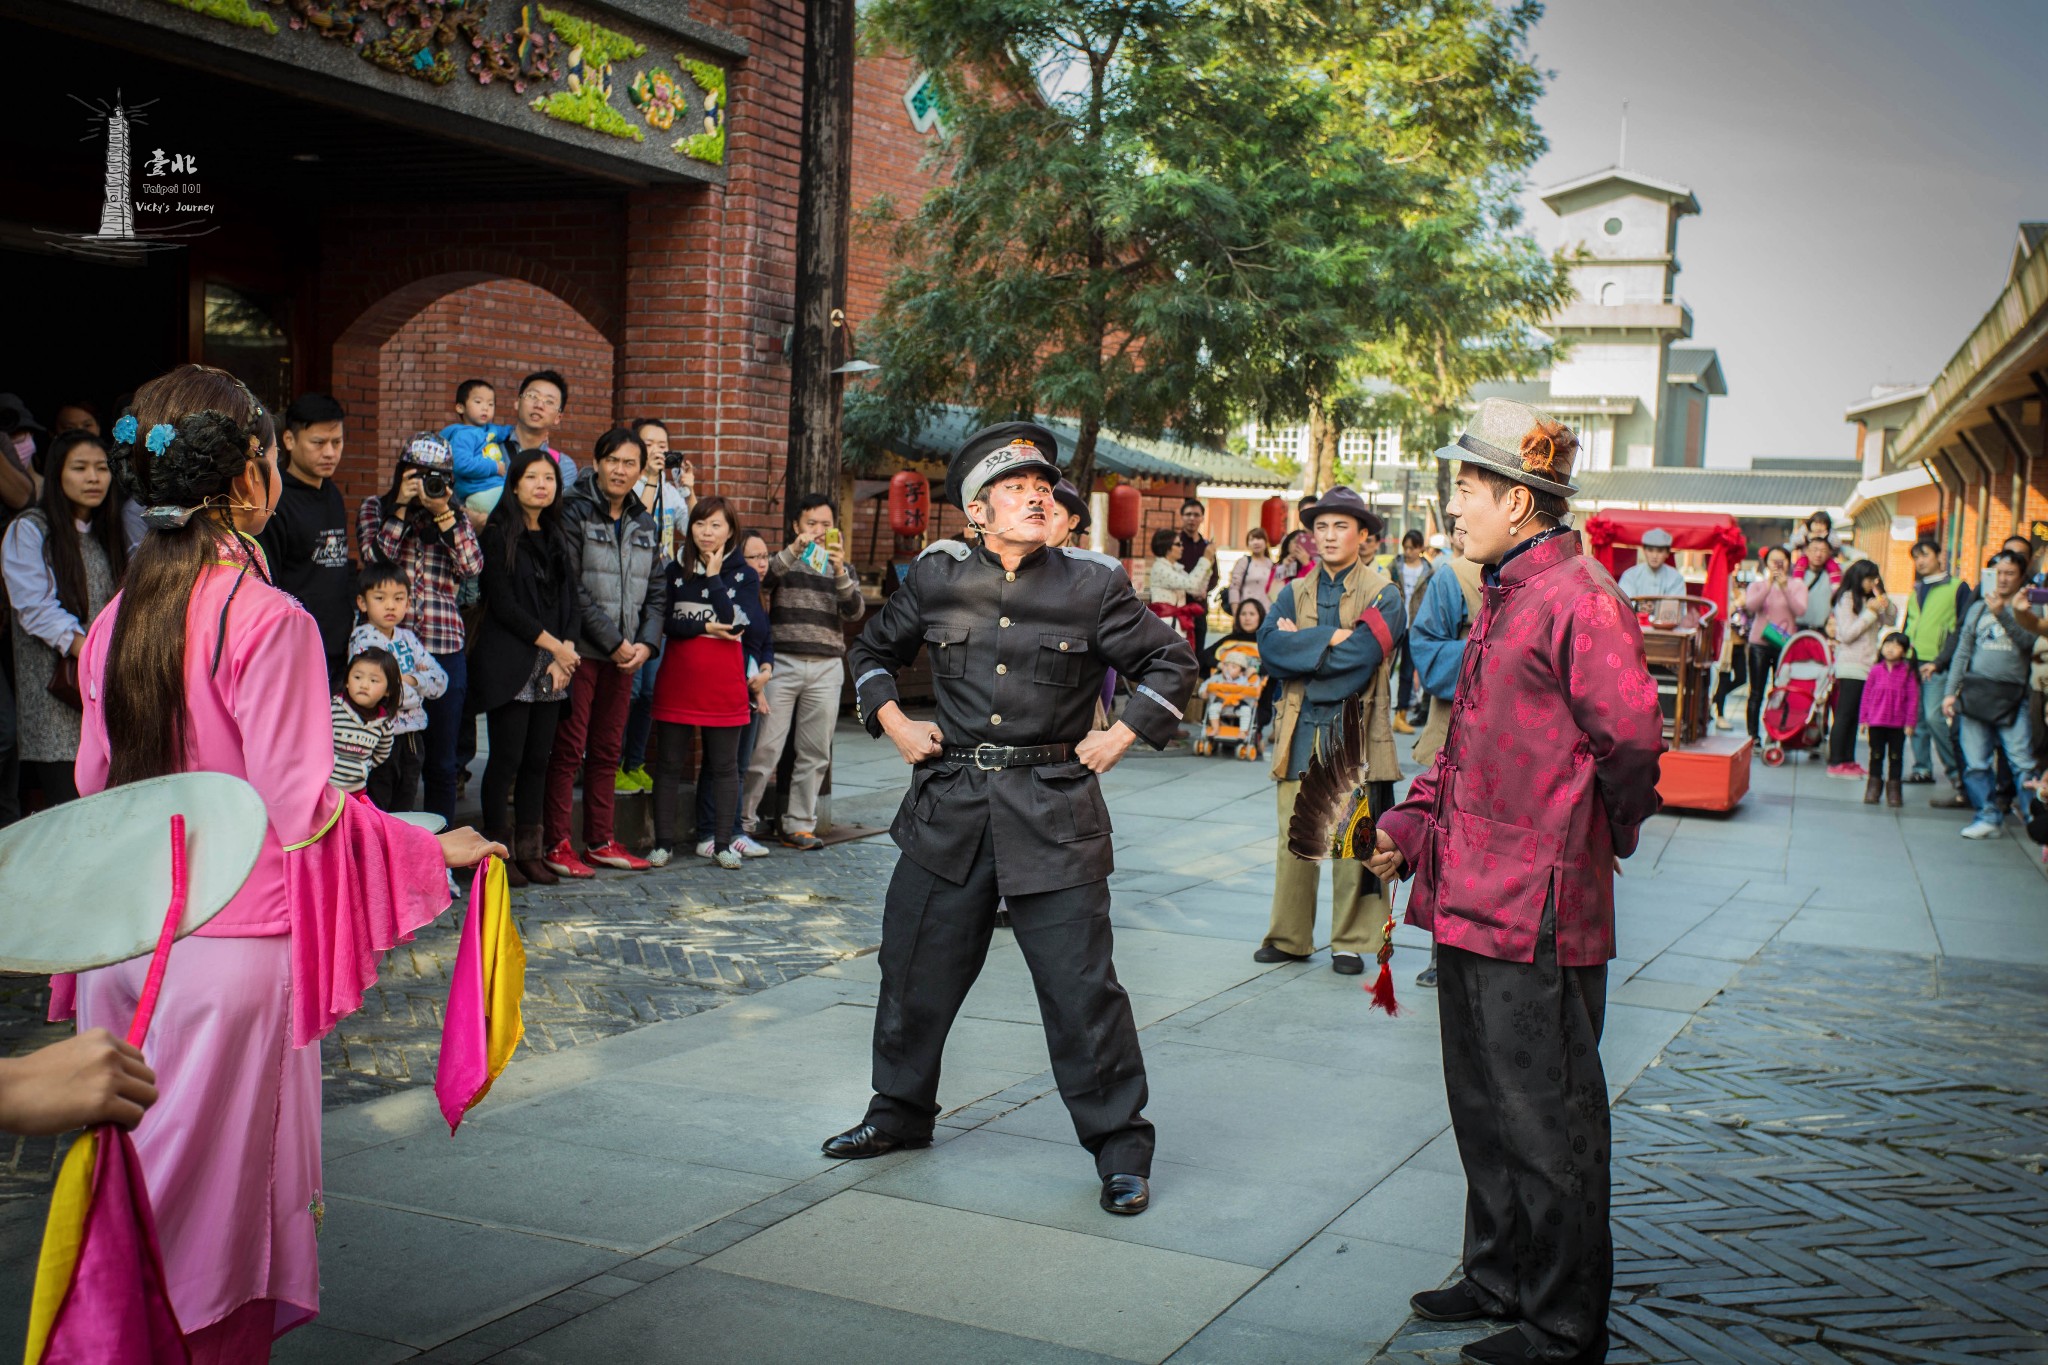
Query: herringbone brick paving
x: 602, y: 957
x: 1841, y: 1159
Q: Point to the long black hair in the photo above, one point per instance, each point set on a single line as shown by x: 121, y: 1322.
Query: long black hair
x: 1856, y: 580
x: 220, y: 429
x: 61, y: 549
x: 508, y: 518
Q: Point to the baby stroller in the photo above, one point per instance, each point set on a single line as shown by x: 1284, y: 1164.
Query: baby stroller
x: 1796, y: 708
x: 1230, y: 702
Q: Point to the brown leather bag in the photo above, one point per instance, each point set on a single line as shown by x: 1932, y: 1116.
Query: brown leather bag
x: 63, y: 684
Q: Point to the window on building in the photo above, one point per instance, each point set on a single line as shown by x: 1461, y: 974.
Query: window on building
x: 1610, y: 294
x: 243, y: 337
x: 1612, y: 227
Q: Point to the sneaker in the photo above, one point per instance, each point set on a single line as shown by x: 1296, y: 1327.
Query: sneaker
x: 658, y: 857
x: 803, y: 839
x: 729, y: 859
x: 1981, y: 829
x: 1850, y: 771
x: 707, y: 847
x: 1723, y: 723
x: 747, y: 848
x: 614, y: 854
x: 562, y: 860
x: 454, y: 888
x: 1919, y: 777
x: 632, y: 780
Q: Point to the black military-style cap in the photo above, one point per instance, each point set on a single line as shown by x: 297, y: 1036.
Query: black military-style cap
x: 997, y: 452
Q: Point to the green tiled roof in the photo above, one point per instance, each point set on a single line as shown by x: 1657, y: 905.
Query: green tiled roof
x: 1716, y: 487
x: 1115, y: 453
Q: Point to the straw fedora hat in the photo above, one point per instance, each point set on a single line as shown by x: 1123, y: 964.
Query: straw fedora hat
x: 1495, y: 437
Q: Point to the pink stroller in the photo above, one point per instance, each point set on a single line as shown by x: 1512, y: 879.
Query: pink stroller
x: 1796, y: 708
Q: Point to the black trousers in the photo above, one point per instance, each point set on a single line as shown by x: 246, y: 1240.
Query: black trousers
x: 516, y: 774
x: 935, y: 936
x: 1732, y: 677
x: 394, y: 784
x: 1528, y: 1102
x: 1888, y: 752
x: 1848, y: 703
x: 1762, y: 660
x: 720, y: 768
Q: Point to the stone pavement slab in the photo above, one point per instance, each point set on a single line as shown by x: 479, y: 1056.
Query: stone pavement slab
x: 1090, y: 1293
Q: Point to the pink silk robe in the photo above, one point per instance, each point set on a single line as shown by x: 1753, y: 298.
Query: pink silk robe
x: 1548, y: 771
x: 232, y: 1149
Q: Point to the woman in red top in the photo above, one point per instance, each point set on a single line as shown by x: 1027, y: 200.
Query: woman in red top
x: 715, y: 620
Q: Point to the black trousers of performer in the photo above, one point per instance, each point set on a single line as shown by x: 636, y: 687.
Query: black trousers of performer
x: 1529, y: 1105
x: 935, y: 936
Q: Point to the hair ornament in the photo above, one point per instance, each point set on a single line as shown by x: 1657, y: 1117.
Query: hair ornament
x: 125, y: 430
x: 160, y: 437
x: 167, y: 517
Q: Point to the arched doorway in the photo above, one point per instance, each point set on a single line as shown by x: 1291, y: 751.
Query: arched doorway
x: 397, y: 366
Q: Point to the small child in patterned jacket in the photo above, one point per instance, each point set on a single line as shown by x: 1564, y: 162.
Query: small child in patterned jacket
x: 383, y: 597
x: 362, y: 718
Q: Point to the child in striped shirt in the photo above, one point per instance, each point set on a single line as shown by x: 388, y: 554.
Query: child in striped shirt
x: 383, y: 597
x: 362, y: 717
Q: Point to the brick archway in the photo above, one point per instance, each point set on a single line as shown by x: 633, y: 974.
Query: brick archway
x: 396, y: 364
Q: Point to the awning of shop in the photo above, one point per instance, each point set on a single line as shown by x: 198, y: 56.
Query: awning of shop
x: 1129, y: 457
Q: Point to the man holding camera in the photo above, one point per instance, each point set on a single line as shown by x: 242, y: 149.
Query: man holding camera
x: 417, y: 527
x: 812, y: 590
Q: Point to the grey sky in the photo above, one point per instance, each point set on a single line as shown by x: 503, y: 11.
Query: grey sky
x: 1862, y: 168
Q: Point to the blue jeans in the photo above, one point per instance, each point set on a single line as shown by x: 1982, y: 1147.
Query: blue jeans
x: 707, y: 798
x: 640, y: 717
x: 1982, y: 743
x: 1935, y: 730
x: 444, y: 728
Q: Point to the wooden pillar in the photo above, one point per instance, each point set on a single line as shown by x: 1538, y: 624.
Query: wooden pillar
x: 824, y: 195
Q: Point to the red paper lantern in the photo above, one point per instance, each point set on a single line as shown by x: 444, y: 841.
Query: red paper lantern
x: 910, y: 503
x: 1273, y: 518
x: 1126, y: 512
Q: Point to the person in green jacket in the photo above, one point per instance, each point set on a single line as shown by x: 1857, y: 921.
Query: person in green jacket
x: 1938, y: 602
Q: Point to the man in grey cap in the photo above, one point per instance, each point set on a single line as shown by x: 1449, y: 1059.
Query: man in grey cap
x: 1653, y: 574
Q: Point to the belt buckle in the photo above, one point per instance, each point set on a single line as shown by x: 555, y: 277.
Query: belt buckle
x: 980, y: 749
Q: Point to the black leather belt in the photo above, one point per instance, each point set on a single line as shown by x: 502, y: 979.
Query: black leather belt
x: 989, y: 757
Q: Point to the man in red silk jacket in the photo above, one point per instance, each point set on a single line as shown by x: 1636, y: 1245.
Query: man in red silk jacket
x: 1544, y: 780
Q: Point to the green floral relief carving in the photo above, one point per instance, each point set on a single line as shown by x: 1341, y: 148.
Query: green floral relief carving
x: 236, y: 12
x: 707, y: 146
x: 587, y: 108
x: 601, y: 46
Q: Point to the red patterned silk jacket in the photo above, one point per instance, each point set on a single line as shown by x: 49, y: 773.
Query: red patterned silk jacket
x: 1548, y: 772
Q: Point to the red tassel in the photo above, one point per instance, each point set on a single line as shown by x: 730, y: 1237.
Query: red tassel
x: 1383, y: 991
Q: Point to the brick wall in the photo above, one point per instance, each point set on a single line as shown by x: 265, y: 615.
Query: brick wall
x: 888, y: 155
x: 501, y: 330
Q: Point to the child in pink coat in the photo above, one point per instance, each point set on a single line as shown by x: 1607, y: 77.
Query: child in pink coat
x: 1891, y: 707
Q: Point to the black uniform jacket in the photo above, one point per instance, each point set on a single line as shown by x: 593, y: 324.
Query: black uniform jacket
x: 1018, y: 659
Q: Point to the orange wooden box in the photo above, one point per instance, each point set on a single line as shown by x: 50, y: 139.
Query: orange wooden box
x: 1709, y: 774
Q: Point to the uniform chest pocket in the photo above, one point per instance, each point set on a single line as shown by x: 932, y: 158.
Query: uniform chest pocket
x: 946, y: 646
x: 643, y: 538
x: 1059, y: 659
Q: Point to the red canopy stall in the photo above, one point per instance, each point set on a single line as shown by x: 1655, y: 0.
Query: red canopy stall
x: 1703, y: 771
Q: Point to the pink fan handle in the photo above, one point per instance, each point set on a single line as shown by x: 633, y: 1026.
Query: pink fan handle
x: 155, y: 981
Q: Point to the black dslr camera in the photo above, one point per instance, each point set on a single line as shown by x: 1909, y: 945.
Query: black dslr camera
x: 672, y: 460
x: 433, y: 483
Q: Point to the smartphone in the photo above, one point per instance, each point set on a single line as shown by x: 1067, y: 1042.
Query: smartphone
x: 832, y: 538
x: 2038, y: 596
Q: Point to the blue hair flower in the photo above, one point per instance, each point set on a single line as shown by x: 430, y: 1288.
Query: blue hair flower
x: 160, y: 437
x: 125, y: 429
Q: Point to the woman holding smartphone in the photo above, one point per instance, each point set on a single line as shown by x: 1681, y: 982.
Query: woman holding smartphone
x: 715, y: 620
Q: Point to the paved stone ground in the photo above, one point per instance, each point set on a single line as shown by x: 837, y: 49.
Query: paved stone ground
x: 1840, y: 1160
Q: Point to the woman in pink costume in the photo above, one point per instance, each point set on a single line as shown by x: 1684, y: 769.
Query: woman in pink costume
x: 201, y: 665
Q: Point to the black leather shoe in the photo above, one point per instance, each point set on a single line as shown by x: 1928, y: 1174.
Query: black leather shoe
x: 1459, y: 1303
x: 1513, y: 1347
x: 1126, y: 1194
x: 1347, y: 964
x: 1426, y: 977
x: 858, y: 1144
x: 1268, y: 953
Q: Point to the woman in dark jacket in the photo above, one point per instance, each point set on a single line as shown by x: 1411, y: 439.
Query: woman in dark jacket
x: 715, y: 621
x: 524, y: 655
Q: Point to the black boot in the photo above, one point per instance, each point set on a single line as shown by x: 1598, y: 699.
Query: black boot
x: 528, y: 855
x: 514, y: 878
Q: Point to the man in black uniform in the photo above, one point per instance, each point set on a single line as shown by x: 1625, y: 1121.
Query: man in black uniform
x: 1004, y: 802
